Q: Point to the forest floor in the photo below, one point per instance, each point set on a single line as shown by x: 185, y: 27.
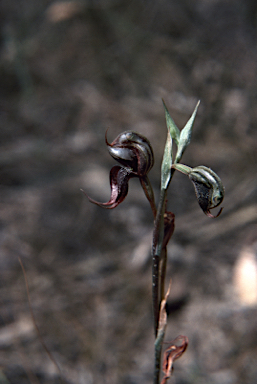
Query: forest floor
x: 68, y: 71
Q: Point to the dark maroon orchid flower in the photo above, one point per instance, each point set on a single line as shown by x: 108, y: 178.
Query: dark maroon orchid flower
x: 134, y: 152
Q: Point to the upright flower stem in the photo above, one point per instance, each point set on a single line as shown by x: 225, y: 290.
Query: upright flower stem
x: 158, y: 235
x: 157, y: 356
x: 163, y: 272
x: 158, y: 276
x: 134, y: 152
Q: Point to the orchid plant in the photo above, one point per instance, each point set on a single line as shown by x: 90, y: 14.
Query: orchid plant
x: 135, y: 155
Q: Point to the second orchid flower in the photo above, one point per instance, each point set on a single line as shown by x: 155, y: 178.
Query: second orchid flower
x: 134, y: 152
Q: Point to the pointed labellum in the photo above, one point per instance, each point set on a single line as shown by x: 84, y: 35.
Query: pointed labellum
x: 119, y: 178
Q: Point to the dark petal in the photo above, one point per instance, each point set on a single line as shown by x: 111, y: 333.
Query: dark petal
x: 145, y: 158
x: 204, y: 196
x: 202, y: 192
x: 119, y: 178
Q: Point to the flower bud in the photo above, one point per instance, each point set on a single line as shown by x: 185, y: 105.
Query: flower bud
x: 208, y: 188
x: 133, y: 151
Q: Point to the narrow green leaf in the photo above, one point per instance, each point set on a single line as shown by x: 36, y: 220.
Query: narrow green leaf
x: 173, y: 129
x: 166, y: 162
x: 185, y: 135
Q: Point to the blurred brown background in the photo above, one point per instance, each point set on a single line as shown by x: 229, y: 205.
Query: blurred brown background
x: 68, y: 71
